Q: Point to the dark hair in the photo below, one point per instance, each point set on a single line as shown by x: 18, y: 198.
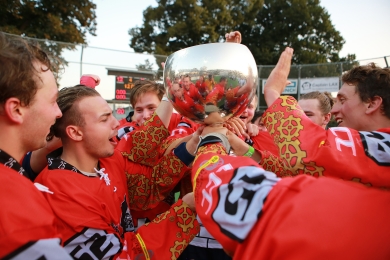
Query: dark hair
x: 257, y: 114
x: 371, y: 81
x: 145, y: 86
x: 19, y: 71
x: 67, y: 100
x: 324, y: 98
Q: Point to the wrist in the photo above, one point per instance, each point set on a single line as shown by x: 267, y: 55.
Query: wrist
x: 250, y: 152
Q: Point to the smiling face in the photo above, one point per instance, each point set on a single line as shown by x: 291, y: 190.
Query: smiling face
x: 311, y: 107
x: 177, y: 90
x: 186, y: 83
x: 99, y: 128
x: 249, y: 112
x: 145, y: 106
x: 349, y: 109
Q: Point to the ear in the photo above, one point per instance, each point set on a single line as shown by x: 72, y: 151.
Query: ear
x: 14, y: 110
x: 74, y: 132
x: 327, y: 118
x: 374, y: 104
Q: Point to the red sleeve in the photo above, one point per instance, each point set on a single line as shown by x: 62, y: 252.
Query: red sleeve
x: 148, y: 186
x: 141, y: 146
x: 166, y: 236
x: 339, y: 152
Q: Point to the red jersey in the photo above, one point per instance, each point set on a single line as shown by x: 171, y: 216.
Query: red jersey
x: 216, y: 94
x: 146, y: 144
x: 93, y: 210
x: 188, y: 108
x: 202, y: 87
x: 193, y: 93
x: 255, y: 215
x: 306, y: 148
x: 26, y: 220
x: 234, y: 104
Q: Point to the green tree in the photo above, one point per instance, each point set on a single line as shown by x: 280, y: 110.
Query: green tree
x: 147, y: 66
x: 267, y: 26
x: 177, y: 24
x: 64, y: 21
x: 301, y: 24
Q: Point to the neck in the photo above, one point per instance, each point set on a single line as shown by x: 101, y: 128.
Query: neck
x: 12, y: 142
x: 79, y: 158
x: 376, y: 122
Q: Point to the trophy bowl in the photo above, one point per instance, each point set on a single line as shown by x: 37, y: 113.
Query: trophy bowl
x: 214, y: 77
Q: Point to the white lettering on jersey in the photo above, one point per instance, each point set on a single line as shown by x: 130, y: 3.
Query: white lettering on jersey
x: 178, y: 131
x: 93, y: 244
x: 41, y: 249
x: 377, y: 146
x: 213, y: 179
x: 241, y: 201
x: 340, y: 142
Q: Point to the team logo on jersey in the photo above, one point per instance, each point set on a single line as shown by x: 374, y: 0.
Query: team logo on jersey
x: 93, y: 243
x: 377, y: 146
x: 126, y: 219
x: 241, y: 201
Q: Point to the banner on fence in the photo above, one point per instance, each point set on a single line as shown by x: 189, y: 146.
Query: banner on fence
x: 319, y: 84
x: 290, y: 88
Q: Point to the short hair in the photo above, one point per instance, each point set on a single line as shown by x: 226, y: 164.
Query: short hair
x: 371, y: 81
x: 325, y: 100
x: 222, y: 79
x: 67, y: 100
x: 17, y: 72
x: 145, y: 86
x: 257, y: 114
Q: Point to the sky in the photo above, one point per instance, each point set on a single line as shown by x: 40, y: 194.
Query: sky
x: 365, y: 26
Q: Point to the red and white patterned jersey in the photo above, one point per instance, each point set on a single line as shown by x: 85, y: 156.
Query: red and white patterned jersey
x: 255, y: 215
x: 306, y: 148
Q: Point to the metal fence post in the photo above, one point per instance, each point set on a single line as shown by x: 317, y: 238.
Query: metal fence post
x: 299, y: 82
x: 81, y: 60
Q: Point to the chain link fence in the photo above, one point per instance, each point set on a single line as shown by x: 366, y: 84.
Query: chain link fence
x: 82, y: 59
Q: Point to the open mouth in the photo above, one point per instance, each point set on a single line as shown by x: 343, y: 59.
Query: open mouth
x: 339, y: 121
x: 113, y: 141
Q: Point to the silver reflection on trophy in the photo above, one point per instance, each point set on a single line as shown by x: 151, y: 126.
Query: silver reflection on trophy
x: 214, y: 77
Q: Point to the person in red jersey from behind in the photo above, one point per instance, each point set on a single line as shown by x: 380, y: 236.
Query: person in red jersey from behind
x: 255, y: 215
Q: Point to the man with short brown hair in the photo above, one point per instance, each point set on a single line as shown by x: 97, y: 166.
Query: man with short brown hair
x: 28, y: 107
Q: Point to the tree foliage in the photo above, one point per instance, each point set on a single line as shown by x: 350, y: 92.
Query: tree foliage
x: 177, y: 24
x: 301, y: 24
x: 65, y: 21
x: 267, y: 26
x: 147, y: 66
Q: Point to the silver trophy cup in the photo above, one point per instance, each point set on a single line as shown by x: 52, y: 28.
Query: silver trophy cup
x: 215, y: 77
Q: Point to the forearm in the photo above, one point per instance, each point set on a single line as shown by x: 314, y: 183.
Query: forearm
x: 164, y: 111
x: 143, y: 144
x: 148, y: 188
